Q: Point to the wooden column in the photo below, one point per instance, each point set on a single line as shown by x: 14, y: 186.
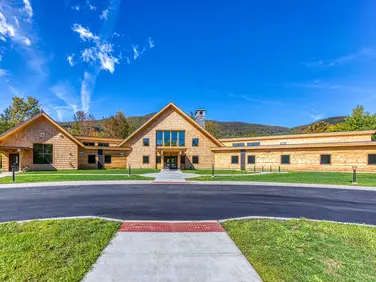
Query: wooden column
x: 162, y: 160
x: 179, y: 164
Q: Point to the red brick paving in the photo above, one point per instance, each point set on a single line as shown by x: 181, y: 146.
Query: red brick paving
x: 171, y: 227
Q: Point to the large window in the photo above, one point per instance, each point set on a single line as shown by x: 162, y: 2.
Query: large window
x: 285, y: 159
x: 146, y: 142
x: 195, y: 142
x: 159, y: 138
x: 91, y: 159
x: 42, y: 154
x: 372, y: 159
x: 234, y: 159
x: 251, y: 159
x: 325, y: 159
x: 145, y: 159
x: 195, y: 159
x: 170, y: 138
x: 107, y: 159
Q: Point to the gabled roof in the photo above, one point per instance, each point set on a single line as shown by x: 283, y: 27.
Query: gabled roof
x: 177, y: 109
x: 22, y: 125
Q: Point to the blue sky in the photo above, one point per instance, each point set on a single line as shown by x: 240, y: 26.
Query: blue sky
x: 271, y: 62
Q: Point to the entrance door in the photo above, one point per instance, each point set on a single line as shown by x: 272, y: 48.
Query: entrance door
x: 14, y: 159
x: 171, y: 162
x: 100, y: 159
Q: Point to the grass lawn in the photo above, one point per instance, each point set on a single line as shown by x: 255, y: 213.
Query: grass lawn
x: 208, y: 171
x: 364, y: 179
x: 95, y: 171
x: 303, y: 250
x: 53, y: 250
x: 57, y: 177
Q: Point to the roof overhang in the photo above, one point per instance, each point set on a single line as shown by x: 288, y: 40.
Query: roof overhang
x: 171, y: 149
x: 14, y: 148
x: 107, y: 148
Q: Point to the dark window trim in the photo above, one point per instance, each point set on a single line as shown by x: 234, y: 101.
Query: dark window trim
x: 106, y: 162
x: 286, y: 163
x: 95, y: 159
x: 330, y: 159
x: 233, y: 157
x: 254, y: 156
x: 158, y: 159
x: 198, y: 142
x: 143, y: 142
x: 198, y: 159
x: 89, y: 144
x: 103, y: 144
x: 368, y: 163
x: 143, y: 159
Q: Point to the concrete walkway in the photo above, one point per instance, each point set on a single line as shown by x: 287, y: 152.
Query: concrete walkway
x: 5, y: 174
x: 170, y: 176
x: 172, y: 252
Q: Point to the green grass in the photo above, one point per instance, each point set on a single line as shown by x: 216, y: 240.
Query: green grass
x: 303, y: 250
x: 209, y: 171
x: 364, y: 179
x: 53, y: 250
x: 56, y: 177
x: 95, y: 171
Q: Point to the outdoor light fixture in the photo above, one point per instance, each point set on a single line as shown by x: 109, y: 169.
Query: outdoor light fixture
x: 19, y: 149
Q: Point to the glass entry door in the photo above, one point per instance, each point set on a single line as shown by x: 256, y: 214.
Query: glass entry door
x: 170, y: 162
x: 14, y: 160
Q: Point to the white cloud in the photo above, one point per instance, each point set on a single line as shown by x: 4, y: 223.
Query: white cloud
x: 85, y: 33
x: 88, y: 55
x: 6, y: 29
x: 128, y: 61
x: 104, y: 15
x: 107, y: 62
x: 91, y: 7
x: 76, y: 7
x: 2, y: 38
x: 151, y: 43
x: 135, y: 52
x: 27, y: 41
x: 28, y: 10
x: 65, y: 92
x: 70, y: 60
x: 87, y: 87
x: 3, y: 72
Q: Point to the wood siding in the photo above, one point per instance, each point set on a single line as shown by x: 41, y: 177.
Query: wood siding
x: 117, y: 161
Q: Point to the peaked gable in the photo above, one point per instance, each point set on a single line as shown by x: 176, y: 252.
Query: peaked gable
x: 180, y: 112
x: 26, y: 123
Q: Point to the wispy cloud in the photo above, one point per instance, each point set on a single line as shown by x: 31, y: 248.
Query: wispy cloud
x: 323, y: 85
x: 254, y: 100
x: 65, y: 92
x: 3, y: 72
x: 85, y: 33
x: 28, y: 9
x: 315, y: 115
x: 104, y: 15
x: 91, y: 7
x: 70, y: 60
x: 368, y: 53
x: 76, y: 7
x: 151, y: 43
x: 87, y: 86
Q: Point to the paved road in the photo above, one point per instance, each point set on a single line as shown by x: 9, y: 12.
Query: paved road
x: 187, y: 202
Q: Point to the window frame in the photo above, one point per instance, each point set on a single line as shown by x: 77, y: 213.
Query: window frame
x: 92, y: 144
x: 105, y: 161
x: 198, y: 142
x: 193, y: 159
x: 144, y: 143
x: 103, y: 144
x: 143, y: 159
x: 368, y: 158
x: 159, y: 139
x: 233, y: 158
x: 254, y: 159
x: 330, y: 159
x: 289, y: 156
x: 88, y: 159
x: 43, y: 153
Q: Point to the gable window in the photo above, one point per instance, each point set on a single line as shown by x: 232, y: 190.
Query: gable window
x: 285, y: 159
x: 251, y: 159
x: 234, y: 159
x: 325, y: 159
x: 103, y: 144
x: 89, y: 144
x: 91, y: 159
x: 167, y: 138
x: 372, y: 159
x: 107, y: 159
x: 145, y: 159
x: 159, y: 138
x: 195, y: 159
x: 146, y: 142
x: 42, y: 153
x: 195, y: 142
x: 174, y: 138
x: 159, y: 159
x: 181, y: 138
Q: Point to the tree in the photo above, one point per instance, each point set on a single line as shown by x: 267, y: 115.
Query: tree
x: 83, y: 124
x: 212, y: 128
x: 358, y: 120
x: 318, y: 127
x: 116, y: 126
x: 19, y: 111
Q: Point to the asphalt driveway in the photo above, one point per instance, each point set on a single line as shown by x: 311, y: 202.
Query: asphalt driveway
x: 187, y: 202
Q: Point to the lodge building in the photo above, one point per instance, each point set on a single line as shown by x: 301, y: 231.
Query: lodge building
x: 173, y: 140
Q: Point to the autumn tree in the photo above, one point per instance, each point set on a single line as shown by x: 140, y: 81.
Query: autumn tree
x: 212, y: 128
x: 83, y: 124
x: 116, y: 126
x: 318, y: 127
x: 358, y: 120
x: 19, y: 111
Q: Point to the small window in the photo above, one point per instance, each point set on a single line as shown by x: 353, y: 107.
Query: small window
x: 91, y: 159
x: 325, y: 159
x: 89, y: 144
x: 122, y: 154
x: 285, y: 159
x: 253, y: 144
x: 42, y: 154
x: 238, y: 144
x: 195, y: 142
x: 234, y: 159
x: 182, y: 160
x: 103, y: 144
x: 82, y: 154
x: 159, y: 159
x: 195, y: 159
x: 107, y: 159
x: 145, y: 159
x: 251, y: 159
x: 372, y: 159
x: 146, y: 142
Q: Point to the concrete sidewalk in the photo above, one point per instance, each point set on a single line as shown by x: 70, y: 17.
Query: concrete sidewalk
x: 170, y: 176
x: 174, y: 252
